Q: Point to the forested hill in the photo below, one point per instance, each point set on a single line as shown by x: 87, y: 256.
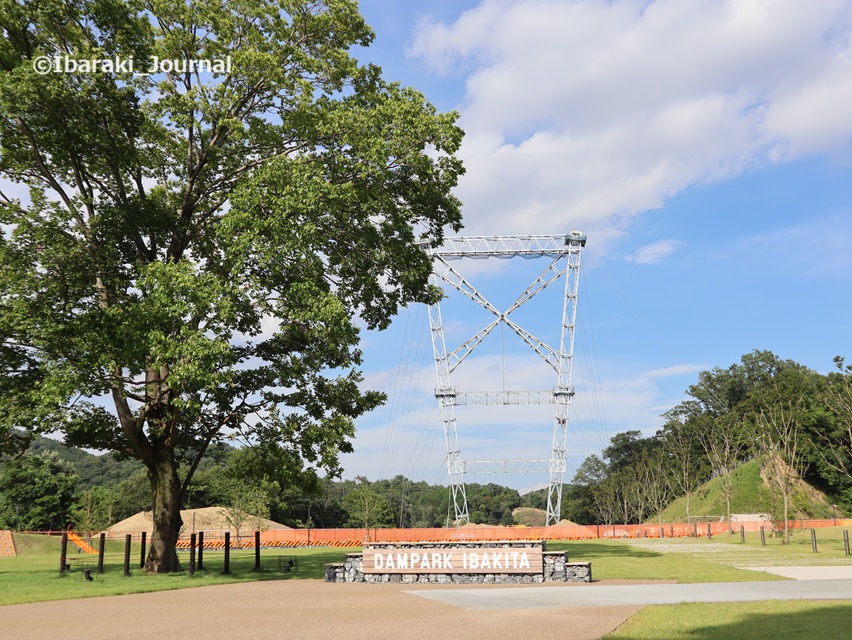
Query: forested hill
x: 109, y: 488
x: 791, y: 422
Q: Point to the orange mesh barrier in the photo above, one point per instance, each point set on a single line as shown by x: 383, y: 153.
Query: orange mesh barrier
x: 347, y: 538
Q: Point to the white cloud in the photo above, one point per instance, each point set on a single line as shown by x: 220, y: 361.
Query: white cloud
x: 676, y: 370
x: 585, y: 113
x: 655, y: 252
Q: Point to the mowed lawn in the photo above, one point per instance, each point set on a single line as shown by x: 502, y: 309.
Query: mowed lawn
x: 33, y: 575
x: 767, y: 620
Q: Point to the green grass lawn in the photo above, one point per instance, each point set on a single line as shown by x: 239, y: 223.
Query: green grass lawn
x: 622, y: 560
x: 729, y: 550
x: 33, y: 575
x: 767, y: 620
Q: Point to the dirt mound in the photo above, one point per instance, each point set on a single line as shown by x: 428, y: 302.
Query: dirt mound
x: 566, y: 523
x: 529, y: 516
x: 206, y: 519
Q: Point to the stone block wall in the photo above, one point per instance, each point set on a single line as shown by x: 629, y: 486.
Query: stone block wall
x: 556, y: 567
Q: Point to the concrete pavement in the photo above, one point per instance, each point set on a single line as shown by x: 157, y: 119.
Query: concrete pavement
x: 809, y: 573
x: 596, y: 595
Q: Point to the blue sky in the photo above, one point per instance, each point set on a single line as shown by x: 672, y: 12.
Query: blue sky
x: 704, y: 147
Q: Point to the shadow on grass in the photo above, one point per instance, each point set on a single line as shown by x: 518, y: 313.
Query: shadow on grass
x: 586, y: 550
x: 752, y: 620
x: 308, y: 564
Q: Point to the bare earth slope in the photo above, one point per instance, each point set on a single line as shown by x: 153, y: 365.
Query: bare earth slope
x: 206, y: 519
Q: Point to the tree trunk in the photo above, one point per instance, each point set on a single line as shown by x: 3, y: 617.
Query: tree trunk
x: 165, y: 485
x: 728, y: 507
x: 688, y: 519
x: 786, y: 522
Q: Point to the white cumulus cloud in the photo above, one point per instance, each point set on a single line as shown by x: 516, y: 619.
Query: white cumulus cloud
x: 585, y: 113
x: 655, y: 252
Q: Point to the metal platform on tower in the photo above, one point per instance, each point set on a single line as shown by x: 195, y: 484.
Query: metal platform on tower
x: 563, y: 252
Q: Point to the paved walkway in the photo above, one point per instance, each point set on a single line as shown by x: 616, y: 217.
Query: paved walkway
x: 809, y: 573
x: 304, y: 609
x: 640, y: 595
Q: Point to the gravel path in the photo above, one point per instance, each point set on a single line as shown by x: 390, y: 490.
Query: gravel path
x: 298, y: 608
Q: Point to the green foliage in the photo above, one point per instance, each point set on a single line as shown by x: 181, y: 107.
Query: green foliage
x: 37, y: 492
x: 727, y: 421
x: 204, y: 250
x: 367, y: 508
x: 94, y: 510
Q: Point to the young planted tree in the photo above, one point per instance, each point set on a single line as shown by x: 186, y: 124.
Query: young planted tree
x: 724, y: 440
x: 658, y: 479
x: 777, y: 442
x: 683, y: 451
x: 606, y: 498
x: 366, y: 507
x: 199, y: 248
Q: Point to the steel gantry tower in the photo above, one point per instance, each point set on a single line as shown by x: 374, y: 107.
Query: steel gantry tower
x: 563, y: 251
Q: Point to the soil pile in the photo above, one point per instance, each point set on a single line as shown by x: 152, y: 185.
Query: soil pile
x: 206, y: 519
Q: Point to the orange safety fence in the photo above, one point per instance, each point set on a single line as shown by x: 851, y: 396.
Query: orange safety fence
x: 347, y: 538
x: 344, y: 538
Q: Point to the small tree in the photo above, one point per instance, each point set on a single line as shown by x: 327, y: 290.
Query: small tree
x: 682, y: 448
x: 724, y: 442
x: 367, y: 508
x: 657, y: 478
x: 777, y: 441
x: 248, y: 508
x: 606, y: 501
x: 94, y: 510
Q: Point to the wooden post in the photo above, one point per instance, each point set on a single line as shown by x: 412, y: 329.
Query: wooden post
x: 63, y: 554
x: 813, y: 540
x: 671, y: 531
x: 742, y: 534
x: 709, y: 533
x: 257, y: 550
x: 762, y: 537
x: 101, y: 554
x: 201, y: 551
x: 142, y: 554
x: 127, y: 555
x: 227, y: 552
x: 192, y: 554
x: 846, y: 541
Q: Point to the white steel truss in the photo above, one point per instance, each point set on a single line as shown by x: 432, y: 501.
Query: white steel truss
x: 564, y: 252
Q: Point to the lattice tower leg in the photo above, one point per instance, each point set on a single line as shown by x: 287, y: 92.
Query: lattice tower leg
x: 455, y: 465
x: 446, y: 399
x: 563, y: 395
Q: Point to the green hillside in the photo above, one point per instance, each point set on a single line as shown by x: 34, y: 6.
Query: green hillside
x: 750, y: 495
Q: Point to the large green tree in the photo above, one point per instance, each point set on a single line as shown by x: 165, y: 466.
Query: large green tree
x: 197, y: 251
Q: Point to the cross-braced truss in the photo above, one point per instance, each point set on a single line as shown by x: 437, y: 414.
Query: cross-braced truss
x: 564, y: 254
